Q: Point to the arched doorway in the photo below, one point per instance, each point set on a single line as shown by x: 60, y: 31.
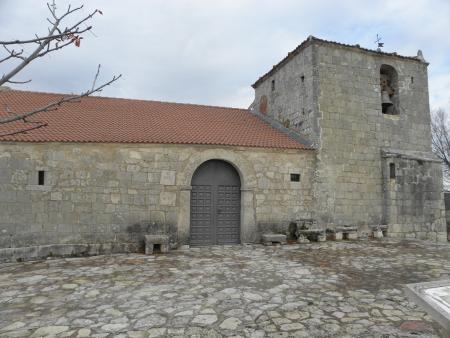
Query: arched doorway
x: 215, y: 204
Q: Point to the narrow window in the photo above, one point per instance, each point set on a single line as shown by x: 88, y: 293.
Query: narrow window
x: 412, y: 79
x: 392, y: 170
x: 41, y: 177
x: 303, y: 78
x: 273, y: 85
x: 295, y: 177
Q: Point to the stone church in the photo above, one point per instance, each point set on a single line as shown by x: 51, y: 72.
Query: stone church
x: 337, y: 134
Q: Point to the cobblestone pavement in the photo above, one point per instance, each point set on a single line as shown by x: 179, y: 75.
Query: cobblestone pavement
x: 310, y: 290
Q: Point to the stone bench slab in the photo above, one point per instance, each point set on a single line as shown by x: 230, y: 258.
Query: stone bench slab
x: 350, y: 232
x: 152, y: 240
x: 346, y: 229
x: 379, y: 231
x: 379, y: 227
x: 268, y: 239
x: 311, y: 231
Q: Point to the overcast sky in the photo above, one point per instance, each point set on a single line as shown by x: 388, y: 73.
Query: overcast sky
x: 210, y: 52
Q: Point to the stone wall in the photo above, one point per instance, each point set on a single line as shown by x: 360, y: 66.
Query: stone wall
x: 351, y: 133
x: 293, y: 101
x: 354, y: 132
x: 413, y: 196
x: 105, y: 197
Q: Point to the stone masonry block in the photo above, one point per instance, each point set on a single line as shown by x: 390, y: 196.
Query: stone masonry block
x: 56, y: 196
x: 168, y: 198
x: 378, y: 234
x: 168, y: 177
x: 352, y: 235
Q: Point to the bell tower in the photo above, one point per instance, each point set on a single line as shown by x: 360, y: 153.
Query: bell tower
x: 367, y: 113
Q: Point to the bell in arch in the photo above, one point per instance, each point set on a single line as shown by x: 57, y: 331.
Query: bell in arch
x: 386, y: 102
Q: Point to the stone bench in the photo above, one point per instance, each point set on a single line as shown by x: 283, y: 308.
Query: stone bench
x: 345, y: 232
x: 271, y: 239
x: 379, y: 231
x: 304, y: 235
x: 153, y: 242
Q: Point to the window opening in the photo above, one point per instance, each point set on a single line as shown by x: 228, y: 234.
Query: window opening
x: 295, y: 177
x: 392, y: 170
x: 41, y: 177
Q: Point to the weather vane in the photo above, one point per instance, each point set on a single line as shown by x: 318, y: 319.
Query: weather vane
x: 379, y: 43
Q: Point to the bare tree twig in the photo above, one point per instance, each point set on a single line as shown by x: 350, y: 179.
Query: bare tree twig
x: 19, y: 82
x: 440, y: 140
x: 56, y: 104
x: 96, y: 77
x: 60, y: 36
x: 12, y: 54
x: 24, y: 130
x: 72, y: 34
x: 56, y: 38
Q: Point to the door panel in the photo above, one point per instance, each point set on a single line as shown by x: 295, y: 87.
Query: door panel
x: 201, y: 215
x: 228, y: 213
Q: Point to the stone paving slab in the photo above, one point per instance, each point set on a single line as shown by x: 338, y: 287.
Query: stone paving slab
x: 434, y: 298
x: 340, y: 289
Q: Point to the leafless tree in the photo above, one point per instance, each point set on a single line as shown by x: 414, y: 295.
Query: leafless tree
x: 20, y: 53
x: 440, y: 137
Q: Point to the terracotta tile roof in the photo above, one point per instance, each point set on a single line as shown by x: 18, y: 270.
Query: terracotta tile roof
x: 115, y: 120
x: 312, y: 39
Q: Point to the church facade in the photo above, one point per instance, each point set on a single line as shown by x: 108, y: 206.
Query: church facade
x: 336, y: 133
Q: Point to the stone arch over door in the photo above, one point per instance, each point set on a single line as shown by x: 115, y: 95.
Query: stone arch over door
x: 248, y: 183
x: 215, y: 204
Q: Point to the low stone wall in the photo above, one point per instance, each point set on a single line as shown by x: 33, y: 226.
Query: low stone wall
x: 414, y: 204
x: 65, y: 250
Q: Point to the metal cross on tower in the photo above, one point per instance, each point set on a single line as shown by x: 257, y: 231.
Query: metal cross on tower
x: 379, y: 43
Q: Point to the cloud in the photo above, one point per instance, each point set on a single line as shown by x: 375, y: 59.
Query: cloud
x: 212, y: 51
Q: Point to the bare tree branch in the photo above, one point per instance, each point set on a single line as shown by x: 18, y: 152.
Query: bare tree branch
x: 19, y: 82
x: 56, y: 104
x: 24, y: 130
x: 96, y: 77
x: 55, y: 35
x: 56, y: 38
x: 440, y: 141
x: 60, y: 36
x: 12, y: 54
